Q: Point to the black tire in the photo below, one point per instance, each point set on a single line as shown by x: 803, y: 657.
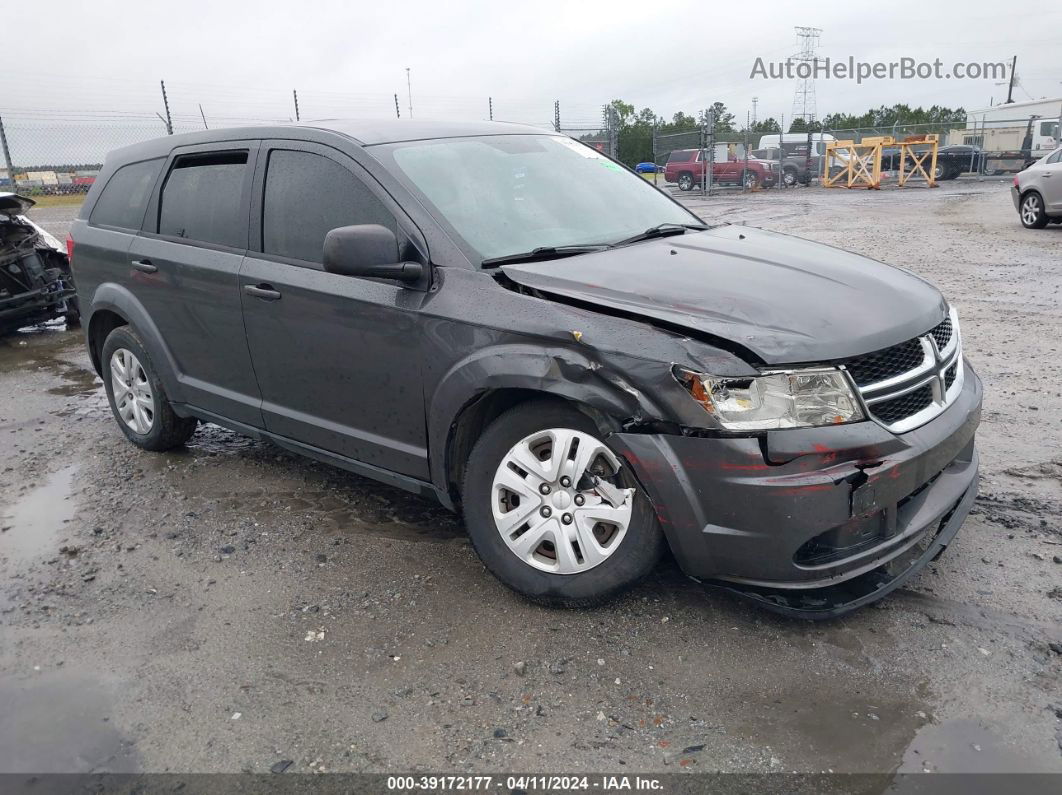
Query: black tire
x: 1031, y: 211
x: 638, y: 550
x: 72, y: 316
x: 685, y: 181
x: 167, y: 429
x: 750, y: 180
x: 790, y: 177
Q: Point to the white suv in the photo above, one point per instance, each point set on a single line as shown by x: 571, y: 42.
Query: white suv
x: 1037, y: 192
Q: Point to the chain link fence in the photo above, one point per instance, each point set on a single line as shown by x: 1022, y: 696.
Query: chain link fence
x: 60, y: 153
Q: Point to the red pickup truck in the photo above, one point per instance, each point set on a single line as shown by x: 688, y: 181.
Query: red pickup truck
x: 686, y: 168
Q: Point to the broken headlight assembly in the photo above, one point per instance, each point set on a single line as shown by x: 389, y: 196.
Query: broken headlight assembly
x: 784, y: 399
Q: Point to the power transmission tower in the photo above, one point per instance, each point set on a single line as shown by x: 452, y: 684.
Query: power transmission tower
x: 804, y: 99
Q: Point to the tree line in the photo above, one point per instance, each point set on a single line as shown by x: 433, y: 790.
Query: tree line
x: 636, y: 127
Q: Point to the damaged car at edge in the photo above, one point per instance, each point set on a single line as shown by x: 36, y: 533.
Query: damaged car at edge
x: 512, y: 323
x: 35, y: 281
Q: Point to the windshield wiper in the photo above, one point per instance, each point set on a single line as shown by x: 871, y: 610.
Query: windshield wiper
x: 660, y: 230
x: 542, y: 253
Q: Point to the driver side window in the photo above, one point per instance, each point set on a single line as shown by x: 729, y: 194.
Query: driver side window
x: 306, y: 196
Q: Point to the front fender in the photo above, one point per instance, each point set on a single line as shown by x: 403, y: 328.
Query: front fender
x: 115, y: 298
x: 552, y: 369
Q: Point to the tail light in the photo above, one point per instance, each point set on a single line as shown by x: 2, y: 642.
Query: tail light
x: 70, y: 249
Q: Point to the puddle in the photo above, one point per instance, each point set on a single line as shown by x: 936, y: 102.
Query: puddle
x: 37, y: 520
x: 967, y: 746
x: 57, y: 722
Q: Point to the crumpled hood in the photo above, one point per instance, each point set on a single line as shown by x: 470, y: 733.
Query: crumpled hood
x: 785, y: 299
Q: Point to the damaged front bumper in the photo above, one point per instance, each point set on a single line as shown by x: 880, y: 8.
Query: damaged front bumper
x: 813, y: 522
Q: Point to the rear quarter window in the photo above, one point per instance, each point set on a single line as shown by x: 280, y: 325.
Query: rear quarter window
x: 125, y: 196
x: 202, y: 199
x: 681, y: 157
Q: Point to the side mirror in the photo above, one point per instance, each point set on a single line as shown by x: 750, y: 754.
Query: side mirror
x: 368, y: 250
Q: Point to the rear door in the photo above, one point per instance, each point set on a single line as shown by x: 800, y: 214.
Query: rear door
x: 184, y: 267
x: 1051, y: 183
x: 337, y: 357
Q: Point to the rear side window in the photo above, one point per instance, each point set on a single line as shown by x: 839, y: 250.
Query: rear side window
x: 681, y: 157
x: 307, y: 196
x: 125, y: 196
x: 203, y: 197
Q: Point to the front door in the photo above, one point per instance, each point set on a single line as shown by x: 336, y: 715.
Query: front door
x: 338, y: 358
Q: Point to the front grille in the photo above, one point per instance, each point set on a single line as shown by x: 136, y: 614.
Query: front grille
x: 942, y: 334
x: 905, y: 380
x: 900, y: 408
x: 888, y: 363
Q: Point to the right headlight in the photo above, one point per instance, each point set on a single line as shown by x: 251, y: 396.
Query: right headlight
x: 789, y: 399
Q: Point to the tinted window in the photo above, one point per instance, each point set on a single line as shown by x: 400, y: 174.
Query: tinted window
x: 126, y: 195
x: 307, y: 196
x: 683, y: 156
x: 1056, y: 157
x: 201, y: 199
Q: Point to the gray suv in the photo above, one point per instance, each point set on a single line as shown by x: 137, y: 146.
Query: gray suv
x: 507, y: 321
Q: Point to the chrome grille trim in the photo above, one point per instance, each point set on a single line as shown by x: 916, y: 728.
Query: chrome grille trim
x: 933, y: 369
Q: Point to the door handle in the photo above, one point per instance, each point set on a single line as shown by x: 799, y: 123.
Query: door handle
x: 263, y: 291
x: 144, y: 266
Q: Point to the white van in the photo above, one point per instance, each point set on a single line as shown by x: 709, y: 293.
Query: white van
x: 795, y: 144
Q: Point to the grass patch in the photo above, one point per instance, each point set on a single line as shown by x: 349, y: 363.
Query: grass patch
x: 71, y: 200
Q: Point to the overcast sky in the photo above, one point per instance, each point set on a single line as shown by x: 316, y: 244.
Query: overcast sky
x: 349, y: 58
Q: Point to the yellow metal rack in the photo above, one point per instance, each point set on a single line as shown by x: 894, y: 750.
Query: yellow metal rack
x: 848, y: 164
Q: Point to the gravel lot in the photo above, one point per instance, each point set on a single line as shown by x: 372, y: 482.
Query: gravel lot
x: 230, y: 607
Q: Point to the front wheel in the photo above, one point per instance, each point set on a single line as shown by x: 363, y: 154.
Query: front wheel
x: 553, y: 512
x: 1033, y: 215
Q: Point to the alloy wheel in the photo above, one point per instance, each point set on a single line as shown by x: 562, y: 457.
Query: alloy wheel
x: 131, y: 389
x: 556, y: 501
x: 1030, y: 209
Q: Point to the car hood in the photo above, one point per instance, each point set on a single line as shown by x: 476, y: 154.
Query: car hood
x: 13, y: 204
x: 784, y: 299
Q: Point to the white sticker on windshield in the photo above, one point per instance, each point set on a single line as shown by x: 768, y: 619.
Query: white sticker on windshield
x: 583, y: 149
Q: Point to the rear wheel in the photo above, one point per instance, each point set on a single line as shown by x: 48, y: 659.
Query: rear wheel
x: 750, y: 179
x: 1031, y: 211
x: 685, y: 181
x: 789, y: 177
x: 553, y: 512
x: 138, y: 400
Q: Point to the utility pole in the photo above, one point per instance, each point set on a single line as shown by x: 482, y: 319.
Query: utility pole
x: 409, y: 92
x: 7, y: 156
x: 398, y: 113
x: 295, y: 96
x: 556, y: 115
x: 755, y: 101
x: 490, y: 107
x: 804, y: 98
x: 1013, y: 72
x: 166, y: 105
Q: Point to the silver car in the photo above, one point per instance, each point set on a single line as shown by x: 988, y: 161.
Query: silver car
x: 1037, y: 192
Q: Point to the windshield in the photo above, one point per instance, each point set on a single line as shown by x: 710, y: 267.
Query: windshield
x: 506, y: 194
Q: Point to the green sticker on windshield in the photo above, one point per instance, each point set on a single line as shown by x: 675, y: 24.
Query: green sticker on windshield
x: 609, y: 165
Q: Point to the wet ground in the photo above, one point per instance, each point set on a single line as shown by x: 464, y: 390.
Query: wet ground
x: 231, y: 607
